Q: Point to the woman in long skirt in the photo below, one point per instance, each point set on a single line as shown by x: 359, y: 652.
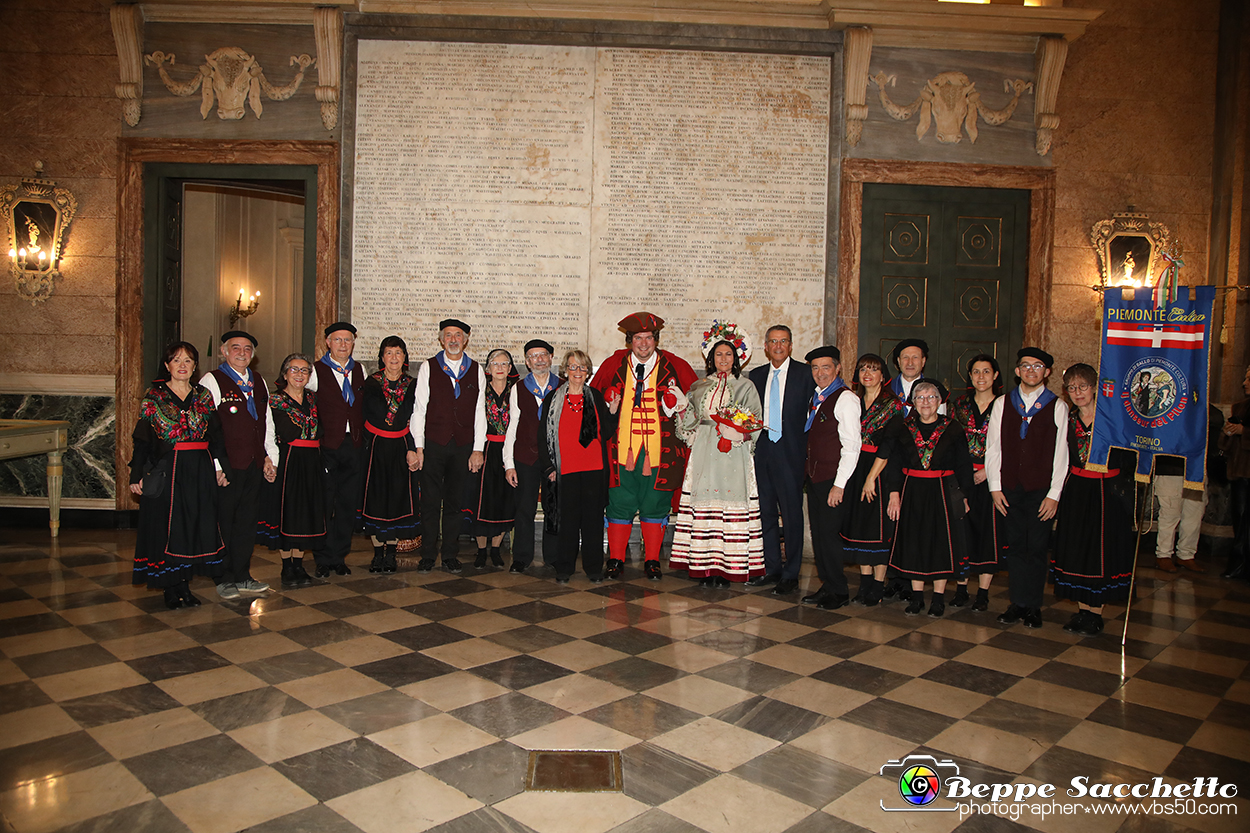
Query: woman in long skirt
x: 172, y: 473
x: 986, y: 542
x: 932, y: 462
x: 869, y: 532
x: 293, y: 516
x: 392, y: 500
x: 493, y: 498
x: 717, y: 538
x: 1093, y: 552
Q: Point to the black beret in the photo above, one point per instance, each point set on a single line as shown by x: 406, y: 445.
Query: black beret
x: 239, y: 334
x: 538, y: 342
x: 453, y: 322
x: 826, y: 352
x: 1037, y: 353
x: 909, y: 342
x: 340, y: 325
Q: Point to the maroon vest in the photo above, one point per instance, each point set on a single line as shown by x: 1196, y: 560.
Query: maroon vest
x: 526, y: 448
x: 824, y: 446
x: 244, y: 436
x: 448, y: 418
x: 1027, y: 463
x: 333, y: 412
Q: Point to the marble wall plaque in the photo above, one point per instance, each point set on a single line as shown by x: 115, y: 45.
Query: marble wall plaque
x: 549, y: 191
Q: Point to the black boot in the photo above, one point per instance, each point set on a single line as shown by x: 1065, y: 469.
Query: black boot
x: 982, y: 603
x: 389, y: 564
x: 873, y: 593
x: 1236, y: 567
x: 172, y: 600
x: 188, y: 599
x: 961, y: 596
x: 288, y: 573
x: 480, y: 562
x: 495, y: 558
x: 302, y: 579
x: 375, y: 566
x: 864, y: 580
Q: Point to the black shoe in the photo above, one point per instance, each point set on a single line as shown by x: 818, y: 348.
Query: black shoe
x: 517, y: 567
x: 652, y: 570
x: 390, y: 564
x: 188, y: 598
x: 707, y: 582
x: 288, y: 573
x: 479, y: 563
x: 815, y: 598
x: 916, y: 605
x: 342, y: 570
x: 425, y: 565
x: 938, y: 606
x: 596, y: 579
x: 172, y: 600
x: 891, y: 589
x: 961, y: 596
x: 1236, y: 568
x: 1033, y: 618
x: 721, y: 581
x: 904, y: 594
x: 496, y: 559
x: 302, y: 579
x: 764, y: 580
x: 1092, y: 626
x: 1014, y: 613
x: 615, y: 568
x: 562, y: 579
x: 452, y: 565
x: 1077, y: 620
x: 982, y: 602
x: 862, y: 593
x: 832, y: 601
x: 785, y: 587
x: 379, y: 553
x: 322, y: 571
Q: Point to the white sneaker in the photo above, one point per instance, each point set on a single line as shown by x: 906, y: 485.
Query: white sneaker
x: 228, y: 590
x: 252, y: 587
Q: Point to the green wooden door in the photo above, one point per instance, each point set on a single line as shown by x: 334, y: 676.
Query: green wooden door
x: 948, y: 265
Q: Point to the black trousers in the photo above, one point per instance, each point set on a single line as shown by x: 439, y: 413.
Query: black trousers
x: 781, y: 493
x: 827, y: 524
x: 1028, y: 543
x: 344, y: 491
x: 528, y: 489
x: 583, y: 497
x: 444, y: 474
x: 237, y: 506
x: 1239, y: 500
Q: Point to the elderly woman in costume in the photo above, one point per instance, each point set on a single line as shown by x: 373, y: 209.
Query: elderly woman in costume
x: 293, y: 514
x: 869, y: 531
x: 172, y: 473
x: 972, y: 412
x: 576, y: 422
x: 391, y: 509
x: 718, y: 538
x: 930, y: 472
x: 1093, y: 546
x: 493, y: 497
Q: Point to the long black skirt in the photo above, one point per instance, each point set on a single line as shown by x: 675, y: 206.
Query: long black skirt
x: 178, y: 536
x: 392, y: 500
x: 931, y: 543
x: 986, y: 540
x: 293, y: 511
x: 1093, y: 546
x: 493, y: 501
x: 869, y: 533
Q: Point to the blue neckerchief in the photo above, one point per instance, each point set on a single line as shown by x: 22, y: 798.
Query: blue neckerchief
x: 1017, y: 402
x: 818, y: 398
x: 540, y: 391
x: 349, y: 395
x: 244, y: 383
x: 455, y: 376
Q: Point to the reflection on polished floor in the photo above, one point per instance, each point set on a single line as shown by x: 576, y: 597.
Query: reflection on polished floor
x: 410, y: 702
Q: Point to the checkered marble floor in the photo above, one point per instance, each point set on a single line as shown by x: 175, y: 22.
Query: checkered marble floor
x: 409, y: 702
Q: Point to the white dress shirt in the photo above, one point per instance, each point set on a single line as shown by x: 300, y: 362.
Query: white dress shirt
x: 209, y: 381
x: 339, y: 376
x: 994, y: 443
x: 848, y: 410
x: 768, y: 388
x: 416, y: 426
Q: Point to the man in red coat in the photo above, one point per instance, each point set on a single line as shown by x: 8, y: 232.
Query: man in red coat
x: 647, y: 460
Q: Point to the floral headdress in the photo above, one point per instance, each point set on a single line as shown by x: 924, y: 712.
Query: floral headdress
x: 727, y: 331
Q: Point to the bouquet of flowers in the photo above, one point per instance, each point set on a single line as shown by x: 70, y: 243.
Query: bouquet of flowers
x: 737, y: 418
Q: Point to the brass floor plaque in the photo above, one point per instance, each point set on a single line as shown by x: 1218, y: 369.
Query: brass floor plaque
x: 580, y: 771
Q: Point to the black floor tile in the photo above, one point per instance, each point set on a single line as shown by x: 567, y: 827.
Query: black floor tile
x: 64, y: 660
x: 121, y: 704
x: 529, y: 638
x: 489, y: 774
x: 420, y: 637
x: 32, y: 763
x: 866, y: 678
x: 375, y: 712
x: 899, y: 720
x: 801, y: 775
x: 1186, y: 678
x: 654, y: 775
x: 325, y: 633
x: 316, y: 819
x: 150, y: 815
x: 971, y: 677
x: 509, y: 714
x: 343, y: 768
x: 248, y: 708
x: 631, y: 640
x: 293, y: 666
x: 734, y: 643
x: 833, y: 644
x: 520, y: 672
x: 178, y: 663
x: 15, y: 697
x: 641, y: 716
x: 756, y: 677
x: 636, y: 673
x: 535, y: 612
x: 404, y: 669
x: 774, y: 719
x: 190, y: 764
x: 1144, y: 720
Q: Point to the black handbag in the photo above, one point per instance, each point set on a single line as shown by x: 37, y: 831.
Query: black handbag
x: 156, y: 479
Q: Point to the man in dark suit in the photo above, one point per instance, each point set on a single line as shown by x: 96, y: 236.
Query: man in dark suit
x: 785, y: 387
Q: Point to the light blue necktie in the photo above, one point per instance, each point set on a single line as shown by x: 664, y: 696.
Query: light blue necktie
x: 774, y: 407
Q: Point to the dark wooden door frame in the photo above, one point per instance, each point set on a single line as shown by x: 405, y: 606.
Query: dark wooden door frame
x: 135, y: 155
x: 1040, y: 182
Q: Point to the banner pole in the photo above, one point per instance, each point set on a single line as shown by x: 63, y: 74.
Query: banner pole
x: 1132, y: 581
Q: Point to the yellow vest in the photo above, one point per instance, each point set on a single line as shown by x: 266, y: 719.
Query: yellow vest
x: 638, y: 434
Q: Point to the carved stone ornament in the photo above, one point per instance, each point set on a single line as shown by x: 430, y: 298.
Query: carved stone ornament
x: 953, y: 102
x: 233, y: 77
x: 1128, y: 246
x: 35, y: 215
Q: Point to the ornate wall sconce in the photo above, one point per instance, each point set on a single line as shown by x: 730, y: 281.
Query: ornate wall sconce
x: 240, y: 311
x: 1129, y: 248
x: 36, y: 215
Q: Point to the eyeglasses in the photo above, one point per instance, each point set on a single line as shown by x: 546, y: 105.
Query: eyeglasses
x: 578, y: 368
x: 501, y: 364
x: 776, y: 341
x: 1034, y: 366
x: 298, y: 371
x: 538, y: 354
x: 1079, y: 388
x: 928, y: 397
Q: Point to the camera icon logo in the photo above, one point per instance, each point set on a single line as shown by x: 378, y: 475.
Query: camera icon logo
x: 920, y: 779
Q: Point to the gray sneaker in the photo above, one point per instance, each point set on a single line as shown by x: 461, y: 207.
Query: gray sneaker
x: 252, y: 587
x: 228, y: 590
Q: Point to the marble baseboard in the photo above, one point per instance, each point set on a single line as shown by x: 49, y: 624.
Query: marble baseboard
x: 89, y: 460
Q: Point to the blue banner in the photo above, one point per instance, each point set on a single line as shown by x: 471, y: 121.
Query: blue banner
x: 1152, y: 379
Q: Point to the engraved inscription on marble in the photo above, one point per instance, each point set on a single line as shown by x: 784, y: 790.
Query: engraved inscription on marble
x: 540, y: 190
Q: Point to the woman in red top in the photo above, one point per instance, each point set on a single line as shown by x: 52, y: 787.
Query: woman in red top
x: 576, y: 423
